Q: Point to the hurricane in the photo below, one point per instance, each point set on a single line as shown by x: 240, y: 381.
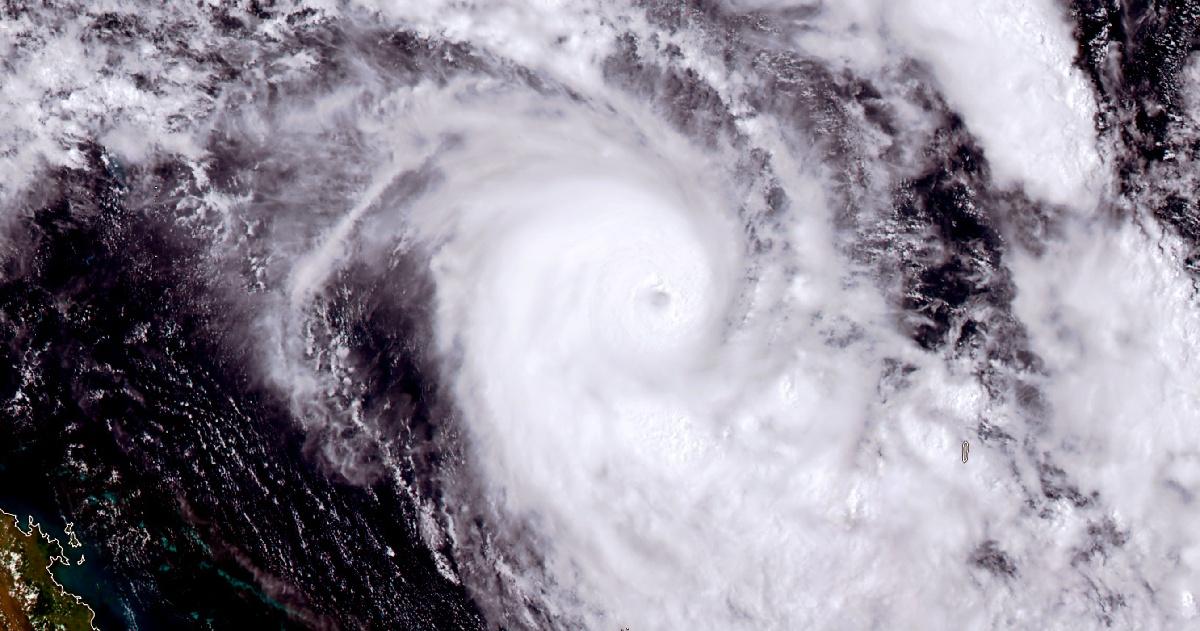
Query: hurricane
x: 736, y: 314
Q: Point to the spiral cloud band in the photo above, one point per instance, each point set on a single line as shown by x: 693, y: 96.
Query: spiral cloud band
x: 611, y: 315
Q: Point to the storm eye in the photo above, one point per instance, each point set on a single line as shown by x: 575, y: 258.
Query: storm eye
x: 658, y: 298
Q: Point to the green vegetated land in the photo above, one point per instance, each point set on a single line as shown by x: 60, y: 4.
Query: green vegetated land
x: 29, y: 596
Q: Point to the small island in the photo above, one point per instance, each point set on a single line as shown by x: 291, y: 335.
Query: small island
x: 30, y: 597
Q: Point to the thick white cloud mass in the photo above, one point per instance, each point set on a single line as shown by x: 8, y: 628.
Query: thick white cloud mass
x: 673, y: 274
x: 1007, y: 68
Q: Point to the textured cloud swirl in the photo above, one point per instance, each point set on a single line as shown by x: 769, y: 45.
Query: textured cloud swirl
x: 663, y: 316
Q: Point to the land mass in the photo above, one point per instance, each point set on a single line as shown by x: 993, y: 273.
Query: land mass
x: 30, y: 597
